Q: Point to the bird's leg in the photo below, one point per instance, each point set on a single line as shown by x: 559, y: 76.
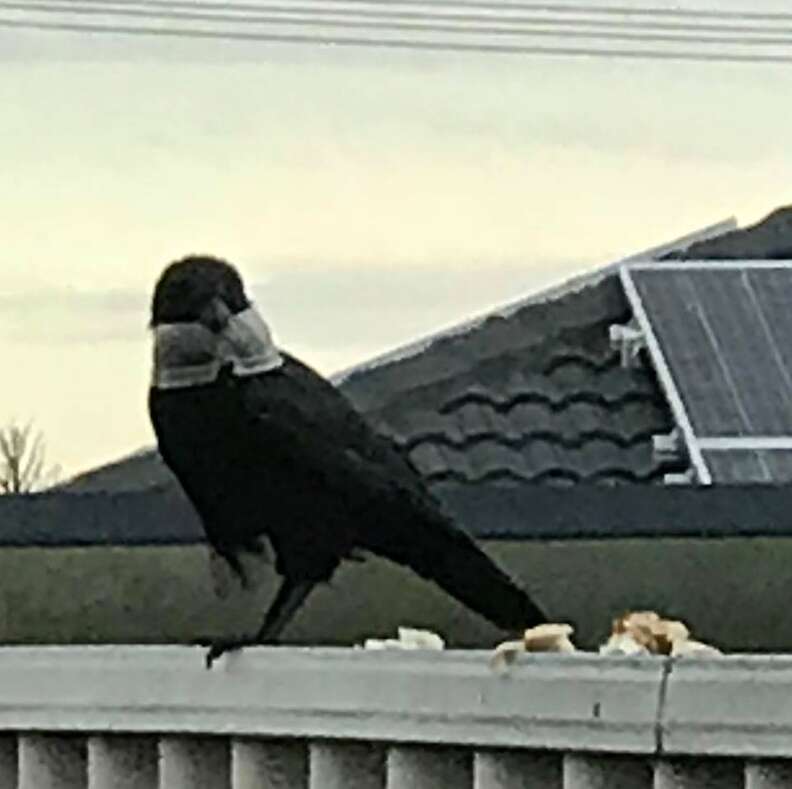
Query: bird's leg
x: 289, y: 598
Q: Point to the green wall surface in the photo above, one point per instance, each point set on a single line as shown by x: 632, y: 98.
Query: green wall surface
x: 732, y: 593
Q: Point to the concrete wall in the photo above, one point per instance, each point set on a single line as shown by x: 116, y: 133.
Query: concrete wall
x: 732, y: 592
x: 132, y: 717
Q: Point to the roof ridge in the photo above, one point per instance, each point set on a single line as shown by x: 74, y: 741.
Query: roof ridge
x: 83, y: 476
x: 573, y: 284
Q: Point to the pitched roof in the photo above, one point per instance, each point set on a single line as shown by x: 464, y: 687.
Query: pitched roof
x: 141, y: 470
x: 769, y: 239
x: 538, y: 396
x: 531, y: 393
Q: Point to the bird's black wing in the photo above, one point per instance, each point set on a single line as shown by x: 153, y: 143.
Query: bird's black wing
x: 281, y: 454
x: 321, y: 430
x: 370, y: 497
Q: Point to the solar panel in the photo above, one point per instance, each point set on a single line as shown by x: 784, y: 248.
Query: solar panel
x: 720, y: 337
x: 740, y: 466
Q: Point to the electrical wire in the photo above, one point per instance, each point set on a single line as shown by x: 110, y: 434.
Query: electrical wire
x: 384, y: 22
x: 302, y: 16
x: 500, y: 6
x: 768, y: 16
x: 437, y: 8
x: 396, y: 44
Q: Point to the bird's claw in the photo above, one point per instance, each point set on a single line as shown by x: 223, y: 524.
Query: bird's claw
x: 220, y: 647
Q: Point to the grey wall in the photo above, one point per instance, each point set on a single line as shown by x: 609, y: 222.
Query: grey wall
x: 163, y: 516
x: 733, y: 592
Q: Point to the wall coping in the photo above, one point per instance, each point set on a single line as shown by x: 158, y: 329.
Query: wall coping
x: 736, y: 705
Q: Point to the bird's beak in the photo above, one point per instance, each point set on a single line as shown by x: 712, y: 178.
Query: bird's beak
x: 215, y: 315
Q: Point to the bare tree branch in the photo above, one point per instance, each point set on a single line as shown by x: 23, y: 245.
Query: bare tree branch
x: 23, y: 460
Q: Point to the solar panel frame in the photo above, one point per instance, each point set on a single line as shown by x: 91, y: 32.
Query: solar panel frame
x: 742, y: 454
x: 750, y: 466
x: 667, y: 382
x: 724, y: 336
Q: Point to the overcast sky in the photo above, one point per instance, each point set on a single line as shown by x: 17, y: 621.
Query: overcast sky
x: 368, y: 197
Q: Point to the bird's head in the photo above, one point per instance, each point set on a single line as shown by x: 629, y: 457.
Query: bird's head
x: 199, y: 289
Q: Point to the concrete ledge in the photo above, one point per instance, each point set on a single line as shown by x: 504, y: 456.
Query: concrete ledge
x: 739, y: 706
x: 734, y: 706
x: 548, y: 702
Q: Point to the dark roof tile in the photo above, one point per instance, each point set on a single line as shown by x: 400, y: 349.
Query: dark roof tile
x: 527, y: 418
x: 434, y: 459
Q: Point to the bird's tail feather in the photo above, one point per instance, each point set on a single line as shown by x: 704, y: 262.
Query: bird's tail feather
x: 440, y: 552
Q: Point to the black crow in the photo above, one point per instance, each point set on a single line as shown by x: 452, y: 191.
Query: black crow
x: 263, y: 445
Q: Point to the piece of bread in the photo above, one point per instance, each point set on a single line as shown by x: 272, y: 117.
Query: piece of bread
x: 552, y: 637
x: 646, y: 632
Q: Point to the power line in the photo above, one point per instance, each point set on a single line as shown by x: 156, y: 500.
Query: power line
x: 319, y: 20
x: 505, y: 5
x: 302, y: 15
x: 767, y: 16
x: 395, y: 44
